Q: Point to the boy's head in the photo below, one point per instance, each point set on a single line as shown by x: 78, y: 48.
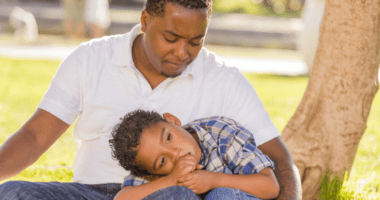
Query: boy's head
x: 148, y: 144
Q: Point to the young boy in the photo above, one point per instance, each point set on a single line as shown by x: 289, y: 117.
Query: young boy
x: 205, y: 154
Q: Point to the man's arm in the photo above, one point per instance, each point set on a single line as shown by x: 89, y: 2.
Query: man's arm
x: 286, y: 172
x: 26, y: 145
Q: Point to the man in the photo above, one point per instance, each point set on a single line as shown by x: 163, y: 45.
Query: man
x: 160, y: 65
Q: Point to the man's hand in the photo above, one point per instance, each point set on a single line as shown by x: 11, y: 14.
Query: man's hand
x: 199, y: 181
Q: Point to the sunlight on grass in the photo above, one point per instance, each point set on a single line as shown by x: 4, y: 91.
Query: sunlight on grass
x: 23, y: 83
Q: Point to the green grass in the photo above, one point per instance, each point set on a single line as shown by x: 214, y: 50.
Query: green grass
x: 23, y: 83
x: 255, y: 7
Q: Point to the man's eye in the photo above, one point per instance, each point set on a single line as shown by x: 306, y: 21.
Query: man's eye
x: 195, y: 44
x: 170, y: 41
x: 168, y: 138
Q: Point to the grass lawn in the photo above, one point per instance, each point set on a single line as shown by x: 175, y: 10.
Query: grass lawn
x: 23, y: 83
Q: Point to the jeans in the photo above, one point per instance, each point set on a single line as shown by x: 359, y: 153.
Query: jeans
x: 229, y: 194
x: 13, y: 190
x: 183, y: 193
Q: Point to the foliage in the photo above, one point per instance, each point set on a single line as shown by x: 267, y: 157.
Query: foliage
x: 23, y: 83
x: 276, y: 8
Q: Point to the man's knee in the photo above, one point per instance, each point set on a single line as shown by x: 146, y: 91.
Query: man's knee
x: 13, y: 190
x: 173, y: 192
x: 221, y: 193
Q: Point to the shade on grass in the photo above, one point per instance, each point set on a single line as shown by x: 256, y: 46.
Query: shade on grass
x: 23, y: 83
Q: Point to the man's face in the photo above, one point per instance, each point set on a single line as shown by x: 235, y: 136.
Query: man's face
x: 173, y: 41
x: 162, y: 144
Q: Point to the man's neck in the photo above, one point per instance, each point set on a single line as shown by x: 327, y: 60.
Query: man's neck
x: 142, y: 63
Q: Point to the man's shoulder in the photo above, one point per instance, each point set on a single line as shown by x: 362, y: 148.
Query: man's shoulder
x: 215, y: 65
x: 104, y: 44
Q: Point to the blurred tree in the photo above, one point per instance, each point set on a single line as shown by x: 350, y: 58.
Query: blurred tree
x: 324, y: 133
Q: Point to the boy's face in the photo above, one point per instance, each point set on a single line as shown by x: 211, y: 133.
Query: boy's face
x: 162, y: 144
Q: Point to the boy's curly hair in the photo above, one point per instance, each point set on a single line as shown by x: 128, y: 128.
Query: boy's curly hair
x: 157, y: 7
x: 126, y: 137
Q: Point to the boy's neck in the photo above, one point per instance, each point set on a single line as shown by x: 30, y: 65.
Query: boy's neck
x: 195, y: 136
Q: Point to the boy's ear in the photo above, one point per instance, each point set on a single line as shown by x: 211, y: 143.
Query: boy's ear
x: 172, y: 119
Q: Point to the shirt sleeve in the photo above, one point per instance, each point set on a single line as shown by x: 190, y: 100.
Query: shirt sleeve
x: 241, y: 153
x: 244, y: 105
x: 63, y: 98
x: 132, y: 180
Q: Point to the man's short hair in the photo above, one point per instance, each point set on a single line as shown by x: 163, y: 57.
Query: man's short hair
x: 157, y: 7
x: 126, y: 138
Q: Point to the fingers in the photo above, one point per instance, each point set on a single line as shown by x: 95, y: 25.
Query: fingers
x: 185, y: 178
x: 188, y: 160
x: 199, y: 166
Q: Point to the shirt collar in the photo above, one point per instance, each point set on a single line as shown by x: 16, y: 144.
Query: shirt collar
x: 122, y: 55
x: 200, y: 131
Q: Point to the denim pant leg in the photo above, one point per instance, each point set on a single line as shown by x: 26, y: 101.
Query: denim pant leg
x: 173, y: 193
x: 229, y: 194
x: 13, y: 190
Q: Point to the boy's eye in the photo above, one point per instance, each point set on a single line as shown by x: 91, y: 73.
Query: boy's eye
x: 162, y: 161
x: 168, y: 138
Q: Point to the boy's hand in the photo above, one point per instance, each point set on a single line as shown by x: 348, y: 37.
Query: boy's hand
x: 199, y: 181
x: 183, y: 166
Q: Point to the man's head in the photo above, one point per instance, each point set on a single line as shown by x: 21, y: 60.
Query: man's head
x: 174, y: 33
x: 157, y: 7
x: 147, y: 144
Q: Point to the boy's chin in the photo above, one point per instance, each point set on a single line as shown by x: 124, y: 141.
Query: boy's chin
x: 152, y: 177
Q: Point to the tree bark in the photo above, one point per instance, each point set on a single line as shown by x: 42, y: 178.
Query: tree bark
x: 324, y: 133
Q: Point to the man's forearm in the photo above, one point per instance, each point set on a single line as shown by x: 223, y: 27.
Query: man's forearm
x: 285, y: 170
x: 16, y: 154
x: 24, y: 147
x: 289, y: 181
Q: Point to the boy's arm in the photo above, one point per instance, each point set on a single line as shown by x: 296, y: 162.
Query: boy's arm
x: 184, y: 165
x: 263, y: 185
x: 141, y: 191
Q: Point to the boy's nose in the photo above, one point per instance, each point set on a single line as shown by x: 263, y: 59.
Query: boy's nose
x: 177, y: 153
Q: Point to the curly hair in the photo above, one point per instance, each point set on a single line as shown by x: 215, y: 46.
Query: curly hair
x: 126, y: 137
x: 157, y: 7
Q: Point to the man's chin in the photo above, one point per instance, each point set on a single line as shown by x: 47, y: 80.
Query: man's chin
x: 171, y: 75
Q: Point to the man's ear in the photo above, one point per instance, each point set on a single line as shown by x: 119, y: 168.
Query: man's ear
x: 172, y: 119
x: 145, y: 18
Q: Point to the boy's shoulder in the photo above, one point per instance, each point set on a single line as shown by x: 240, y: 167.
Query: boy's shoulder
x: 219, y: 127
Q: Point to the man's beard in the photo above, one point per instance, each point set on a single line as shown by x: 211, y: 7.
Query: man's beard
x: 169, y: 76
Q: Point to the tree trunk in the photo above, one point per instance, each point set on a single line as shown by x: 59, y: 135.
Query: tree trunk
x: 324, y: 133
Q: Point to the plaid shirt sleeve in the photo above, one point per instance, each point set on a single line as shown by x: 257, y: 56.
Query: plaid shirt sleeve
x: 132, y: 180
x: 239, y: 149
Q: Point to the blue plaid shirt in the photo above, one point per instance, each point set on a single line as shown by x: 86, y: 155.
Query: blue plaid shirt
x: 226, y: 146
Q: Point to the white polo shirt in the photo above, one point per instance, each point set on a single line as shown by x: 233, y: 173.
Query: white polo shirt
x: 98, y: 84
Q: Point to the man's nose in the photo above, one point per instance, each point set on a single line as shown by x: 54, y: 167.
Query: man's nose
x: 181, y: 51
